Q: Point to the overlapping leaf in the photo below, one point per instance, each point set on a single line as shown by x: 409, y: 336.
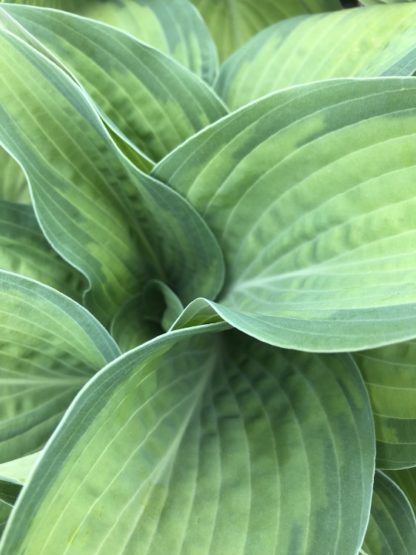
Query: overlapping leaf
x: 392, y: 526
x: 50, y: 346
x: 19, y: 470
x: 24, y: 250
x: 406, y: 479
x: 8, y: 495
x: 115, y: 224
x: 233, y: 22
x: 390, y: 376
x: 206, y: 443
x: 349, y: 43
x: 173, y: 27
x: 310, y: 193
x: 152, y: 100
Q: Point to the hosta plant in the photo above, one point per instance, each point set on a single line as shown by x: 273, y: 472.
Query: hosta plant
x: 208, y: 278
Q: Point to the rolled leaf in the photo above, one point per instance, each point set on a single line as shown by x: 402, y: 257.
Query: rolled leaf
x: 390, y: 376
x: 392, y: 526
x: 310, y: 194
x: 207, y: 438
x: 147, y: 97
x: 349, y: 43
x: 233, y: 22
x: 50, y: 347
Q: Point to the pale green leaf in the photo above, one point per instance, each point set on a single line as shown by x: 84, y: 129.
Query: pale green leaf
x: 147, y: 97
x: 13, y: 186
x: 349, y: 43
x: 233, y: 22
x: 206, y: 443
x: 392, y: 526
x: 50, y: 346
x: 24, y: 250
x: 310, y: 194
x: 390, y: 376
x: 113, y: 223
x: 174, y: 27
x: 19, y: 470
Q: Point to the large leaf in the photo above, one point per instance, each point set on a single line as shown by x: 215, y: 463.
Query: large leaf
x: 50, y: 346
x: 390, y: 376
x: 233, y: 22
x: 392, y: 526
x: 13, y: 186
x: 174, y: 27
x: 24, y: 250
x: 220, y: 443
x: 349, y: 43
x: 152, y: 100
x: 115, y: 224
x: 310, y: 194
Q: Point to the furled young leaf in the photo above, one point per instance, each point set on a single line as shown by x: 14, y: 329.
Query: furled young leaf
x: 115, y: 224
x: 406, y: 479
x: 50, y: 346
x: 152, y: 100
x: 349, y: 43
x: 310, y: 194
x: 24, y: 250
x: 206, y: 443
x: 174, y: 27
x: 13, y: 186
x: 390, y: 376
x: 233, y: 22
x: 392, y: 526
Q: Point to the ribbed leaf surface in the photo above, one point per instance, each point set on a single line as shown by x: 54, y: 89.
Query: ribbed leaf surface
x: 106, y: 218
x: 392, y: 526
x: 50, y: 346
x: 349, y: 43
x: 146, y: 96
x: 13, y: 186
x: 233, y: 22
x: 310, y: 194
x: 206, y: 444
x: 406, y: 479
x: 390, y: 376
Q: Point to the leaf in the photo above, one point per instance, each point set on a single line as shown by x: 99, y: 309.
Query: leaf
x: 392, y: 526
x: 24, y: 250
x: 372, y: 2
x: 13, y: 186
x: 145, y: 96
x: 349, y: 43
x: 116, y: 225
x: 50, y: 346
x: 19, y: 470
x: 233, y: 22
x: 390, y: 376
x: 406, y: 480
x: 310, y: 195
x: 8, y: 495
x: 223, y: 444
x: 174, y: 27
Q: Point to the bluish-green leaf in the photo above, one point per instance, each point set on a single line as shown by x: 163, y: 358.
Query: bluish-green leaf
x: 115, y: 224
x: 406, y: 479
x: 233, y: 22
x: 349, y: 43
x: 206, y: 443
x: 145, y: 96
x: 174, y: 27
x: 392, y: 526
x: 390, y: 376
x: 50, y: 347
x: 310, y: 194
